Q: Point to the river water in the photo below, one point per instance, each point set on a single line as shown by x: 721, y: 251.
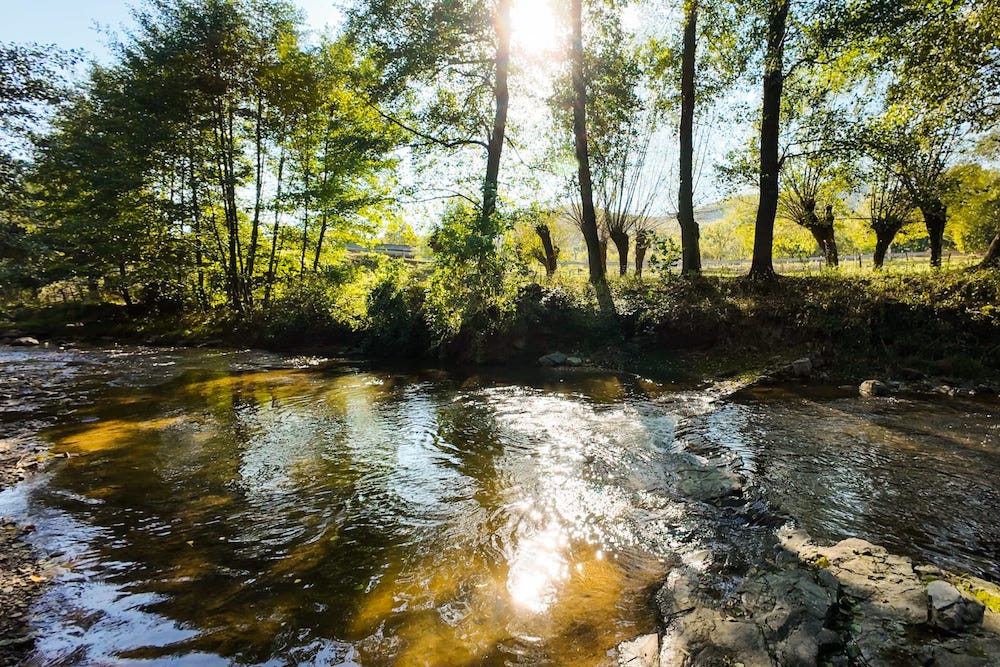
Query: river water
x: 250, y: 509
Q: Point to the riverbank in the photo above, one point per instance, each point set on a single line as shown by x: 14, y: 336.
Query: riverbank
x: 941, y: 326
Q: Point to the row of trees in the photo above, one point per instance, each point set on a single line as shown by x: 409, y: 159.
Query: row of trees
x: 223, y: 153
x: 217, y: 154
x: 876, y: 98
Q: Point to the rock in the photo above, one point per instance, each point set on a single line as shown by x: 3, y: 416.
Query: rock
x: 950, y: 610
x: 640, y: 652
x: 553, y: 359
x: 871, y: 388
x: 25, y: 341
x: 802, y: 368
x: 574, y: 361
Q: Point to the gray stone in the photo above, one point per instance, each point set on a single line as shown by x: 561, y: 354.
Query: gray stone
x: 950, y: 610
x: 25, y: 341
x: 574, y: 361
x: 640, y: 652
x: 553, y: 359
x: 871, y: 388
x: 802, y: 368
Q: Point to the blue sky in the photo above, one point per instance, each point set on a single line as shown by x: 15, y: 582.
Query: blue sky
x: 80, y: 24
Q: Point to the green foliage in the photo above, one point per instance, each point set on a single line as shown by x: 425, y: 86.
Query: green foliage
x: 472, y: 291
x: 666, y: 256
x: 974, y: 207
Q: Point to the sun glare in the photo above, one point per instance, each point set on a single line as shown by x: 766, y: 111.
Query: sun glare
x: 534, y: 28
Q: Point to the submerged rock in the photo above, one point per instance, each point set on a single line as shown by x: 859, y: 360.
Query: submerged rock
x: 702, y: 480
x: 25, y: 341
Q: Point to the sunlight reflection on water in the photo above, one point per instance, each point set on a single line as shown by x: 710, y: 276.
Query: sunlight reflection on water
x: 371, y: 519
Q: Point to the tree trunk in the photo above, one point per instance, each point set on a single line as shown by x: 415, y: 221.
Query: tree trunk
x: 324, y: 219
x: 882, y: 243
x: 819, y: 235
x: 620, y: 239
x: 501, y: 94
x: 935, y: 217
x: 248, y: 281
x: 602, y: 247
x: 305, y: 223
x: 551, y: 252
x: 268, y: 285
x: 831, y: 253
x: 641, y: 246
x: 123, y: 276
x: 690, y: 245
x: 770, y: 133
x: 992, y: 258
x: 588, y: 223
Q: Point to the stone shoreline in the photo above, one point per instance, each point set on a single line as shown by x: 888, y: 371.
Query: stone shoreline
x: 23, y: 573
x: 852, y: 603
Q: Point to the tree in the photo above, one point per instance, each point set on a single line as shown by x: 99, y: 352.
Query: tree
x: 32, y: 83
x: 460, y: 51
x: 798, y: 202
x: 588, y: 214
x: 891, y: 208
x: 691, y: 258
x: 762, y: 265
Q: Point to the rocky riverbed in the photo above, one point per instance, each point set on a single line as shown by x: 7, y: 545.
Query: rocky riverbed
x: 23, y: 573
x: 802, y: 602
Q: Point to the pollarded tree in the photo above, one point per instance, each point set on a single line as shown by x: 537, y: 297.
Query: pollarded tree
x: 921, y: 149
x: 891, y: 208
x: 799, y: 201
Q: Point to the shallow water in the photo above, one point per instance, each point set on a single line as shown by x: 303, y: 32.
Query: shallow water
x: 236, y: 508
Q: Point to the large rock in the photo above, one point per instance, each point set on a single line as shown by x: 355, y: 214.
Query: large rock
x: 871, y: 388
x: 952, y: 611
x: 781, y: 618
x: 802, y: 368
x: 553, y: 359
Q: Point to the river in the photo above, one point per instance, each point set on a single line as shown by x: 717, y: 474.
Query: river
x: 252, y: 509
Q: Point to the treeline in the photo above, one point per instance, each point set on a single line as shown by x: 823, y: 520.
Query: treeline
x: 217, y: 154
x: 224, y: 158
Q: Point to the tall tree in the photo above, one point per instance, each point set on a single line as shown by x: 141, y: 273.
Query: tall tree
x: 762, y: 265
x: 691, y: 251
x: 459, y: 51
x: 588, y: 214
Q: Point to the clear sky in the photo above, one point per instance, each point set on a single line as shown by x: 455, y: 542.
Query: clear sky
x: 82, y: 24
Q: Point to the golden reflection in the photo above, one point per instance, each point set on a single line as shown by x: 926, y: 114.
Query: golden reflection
x: 537, y: 569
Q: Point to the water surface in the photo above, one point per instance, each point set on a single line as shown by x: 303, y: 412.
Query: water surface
x: 224, y: 508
